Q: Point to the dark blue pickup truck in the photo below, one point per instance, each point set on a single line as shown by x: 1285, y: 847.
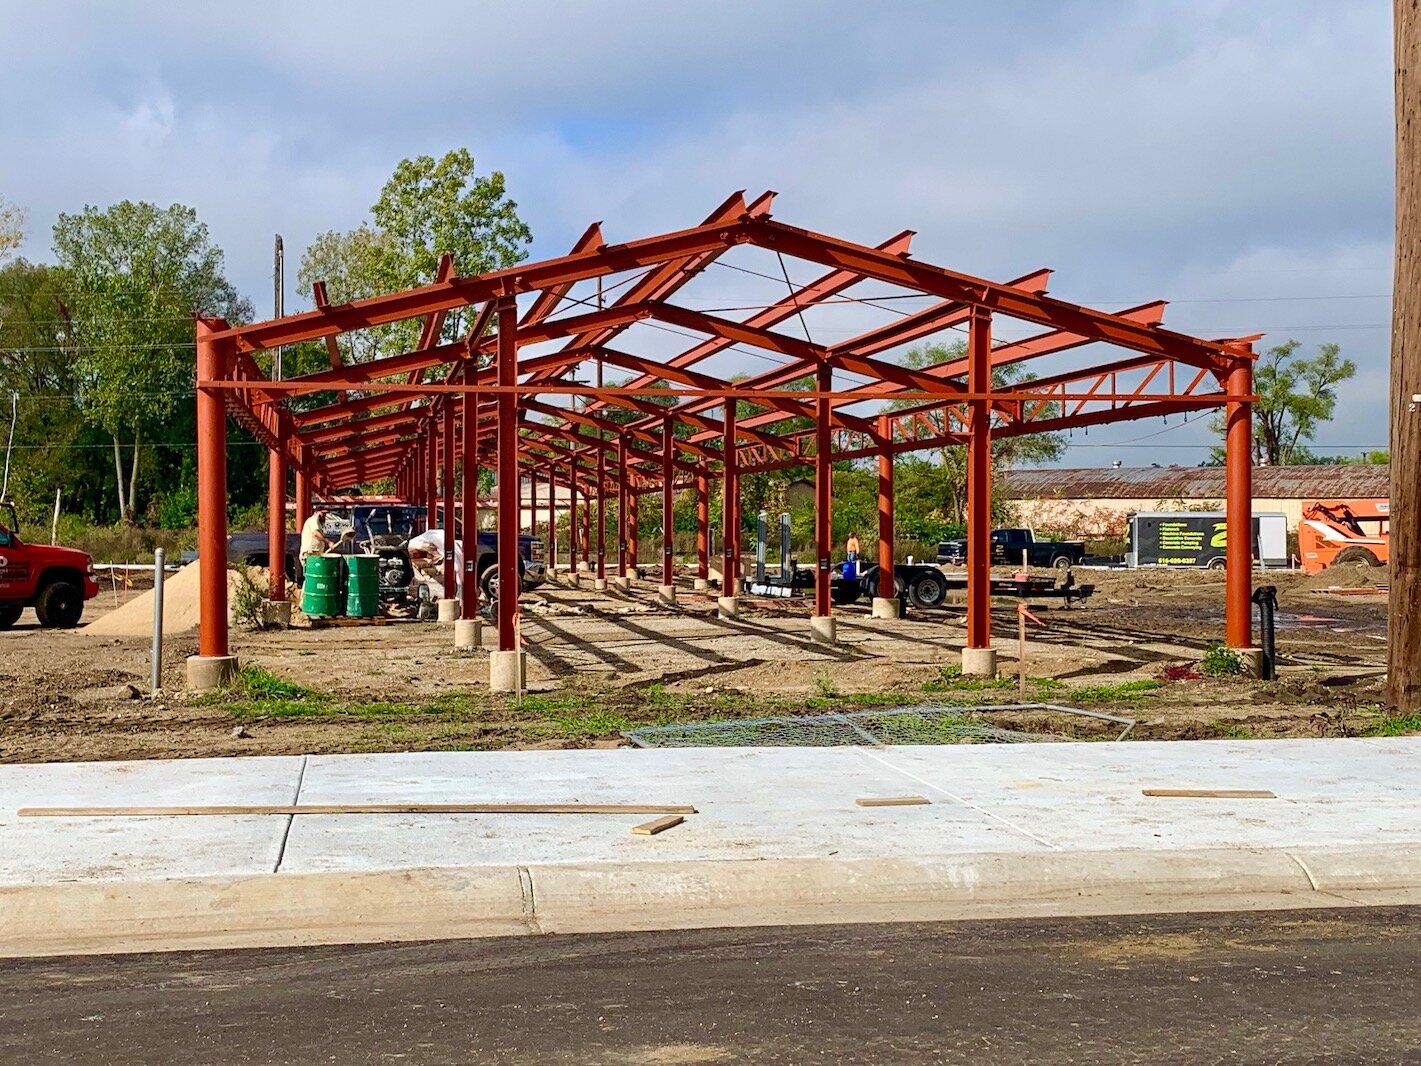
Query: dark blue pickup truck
x: 385, y: 530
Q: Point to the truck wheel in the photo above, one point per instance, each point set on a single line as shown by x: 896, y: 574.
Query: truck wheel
x: 10, y: 614
x: 1218, y: 562
x: 843, y: 593
x: 59, y: 605
x: 488, y: 583
x: 1061, y: 562
x: 929, y: 590
x: 1356, y: 555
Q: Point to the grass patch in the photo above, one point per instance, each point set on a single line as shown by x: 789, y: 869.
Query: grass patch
x: 951, y: 679
x: 1392, y: 725
x: 1123, y: 692
x: 257, y: 683
x: 1232, y: 730
x: 259, y: 693
x: 592, y: 724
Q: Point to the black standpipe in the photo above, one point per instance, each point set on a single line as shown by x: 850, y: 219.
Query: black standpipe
x: 1266, y: 596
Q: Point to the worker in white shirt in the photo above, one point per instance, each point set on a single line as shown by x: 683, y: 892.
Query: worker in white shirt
x: 313, y: 536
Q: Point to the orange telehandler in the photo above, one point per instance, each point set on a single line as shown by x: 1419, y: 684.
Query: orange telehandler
x: 1344, y: 531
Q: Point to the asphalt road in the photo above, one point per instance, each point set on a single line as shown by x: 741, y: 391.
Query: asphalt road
x: 1295, y: 987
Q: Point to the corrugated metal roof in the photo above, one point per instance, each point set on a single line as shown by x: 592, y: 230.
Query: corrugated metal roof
x: 1194, y: 482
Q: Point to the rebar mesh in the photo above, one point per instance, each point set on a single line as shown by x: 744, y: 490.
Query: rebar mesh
x: 922, y: 724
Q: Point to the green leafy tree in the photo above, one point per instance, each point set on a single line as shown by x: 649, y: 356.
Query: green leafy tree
x: 429, y: 207
x: 1295, y: 397
x: 139, y: 273
x: 52, y: 445
x: 1006, y: 451
x: 12, y: 228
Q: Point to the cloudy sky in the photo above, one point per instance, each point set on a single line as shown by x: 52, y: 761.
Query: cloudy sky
x: 1234, y: 158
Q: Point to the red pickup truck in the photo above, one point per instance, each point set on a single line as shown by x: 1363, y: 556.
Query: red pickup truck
x: 54, y: 581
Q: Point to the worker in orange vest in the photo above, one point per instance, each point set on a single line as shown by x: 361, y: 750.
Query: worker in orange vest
x: 853, y: 547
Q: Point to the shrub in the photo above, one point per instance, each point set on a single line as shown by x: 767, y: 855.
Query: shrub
x: 176, y: 509
x: 1220, y: 661
x: 247, y: 600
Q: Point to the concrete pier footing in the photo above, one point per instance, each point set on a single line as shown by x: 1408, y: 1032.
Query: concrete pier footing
x: 885, y: 607
x: 208, y: 673
x: 276, y: 614
x: 507, y: 671
x: 979, y: 662
x: 468, y: 633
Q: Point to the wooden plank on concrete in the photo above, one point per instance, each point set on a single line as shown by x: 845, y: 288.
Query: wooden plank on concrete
x: 357, y: 808
x: 1211, y: 793
x: 892, y: 801
x: 660, y: 825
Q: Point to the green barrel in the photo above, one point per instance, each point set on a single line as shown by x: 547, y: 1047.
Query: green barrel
x: 320, y: 594
x: 362, y: 586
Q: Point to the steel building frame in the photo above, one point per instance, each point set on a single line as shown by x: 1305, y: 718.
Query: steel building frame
x: 428, y: 417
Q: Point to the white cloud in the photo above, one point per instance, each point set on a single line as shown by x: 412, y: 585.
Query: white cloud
x: 1198, y: 149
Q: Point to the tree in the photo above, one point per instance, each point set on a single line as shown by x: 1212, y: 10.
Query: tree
x: 12, y: 228
x: 140, y: 272
x: 1006, y: 451
x: 52, y: 444
x: 1295, y: 396
x: 428, y: 208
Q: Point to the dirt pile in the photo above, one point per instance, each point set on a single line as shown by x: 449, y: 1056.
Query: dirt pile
x: 181, y: 599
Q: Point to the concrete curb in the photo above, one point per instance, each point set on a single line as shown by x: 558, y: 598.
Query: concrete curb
x: 432, y: 904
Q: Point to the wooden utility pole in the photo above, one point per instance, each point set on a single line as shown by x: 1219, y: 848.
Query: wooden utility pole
x: 1404, y: 607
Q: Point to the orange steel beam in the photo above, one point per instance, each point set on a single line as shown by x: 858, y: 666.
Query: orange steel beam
x: 664, y: 279
x: 458, y: 292
x: 817, y: 291
x: 1001, y: 299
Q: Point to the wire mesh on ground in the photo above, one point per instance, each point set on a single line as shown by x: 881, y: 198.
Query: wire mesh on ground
x: 920, y: 724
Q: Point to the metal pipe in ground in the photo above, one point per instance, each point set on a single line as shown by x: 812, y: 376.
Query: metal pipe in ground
x: 1266, y: 596
x: 156, y: 684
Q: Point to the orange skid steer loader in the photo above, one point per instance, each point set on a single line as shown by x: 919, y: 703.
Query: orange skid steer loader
x: 1344, y: 531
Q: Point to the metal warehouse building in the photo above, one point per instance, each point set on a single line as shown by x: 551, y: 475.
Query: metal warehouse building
x: 1095, y: 501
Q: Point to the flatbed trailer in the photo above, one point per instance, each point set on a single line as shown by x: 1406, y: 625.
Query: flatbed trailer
x: 928, y: 586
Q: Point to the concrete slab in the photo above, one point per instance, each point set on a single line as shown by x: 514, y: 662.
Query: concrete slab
x: 110, y: 849
x: 755, y: 803
x: 1077, y: 796
x: 1040, y: 829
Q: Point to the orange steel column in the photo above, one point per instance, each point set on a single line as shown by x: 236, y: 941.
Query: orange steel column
x: 633, y: 530
x: 885, y: 509
x: 211, y: 498
x: 586, y: 529
x: 1238, y: 514
x: 303, y: 498
x: 979, y: 482
x: 276, y: 519
x: 508, y: 582
x: 572, y: 515
x: 668, y: 501
x: 702, y: 523
x: 431, y: 478
x: 622, y: 505
x: 469, y: 489
x: 552, y: 545
x: 730, y: 506
x: 450, y: 573
x: 601, y: 511
x: 823, y: 492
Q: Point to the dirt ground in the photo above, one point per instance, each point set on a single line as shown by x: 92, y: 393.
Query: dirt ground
x: 601, y: 662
